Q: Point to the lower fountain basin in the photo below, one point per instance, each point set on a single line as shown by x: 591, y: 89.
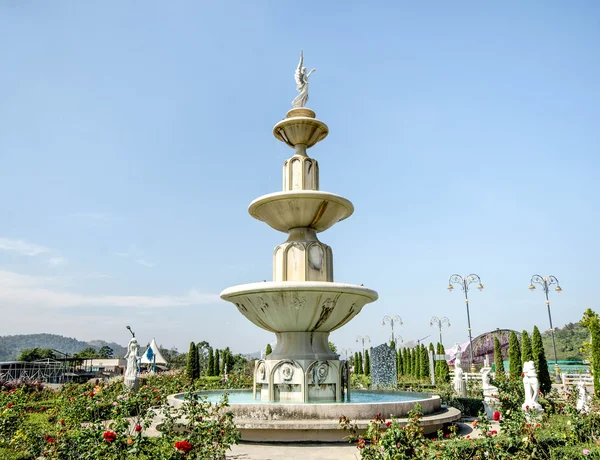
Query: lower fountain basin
x: 362, y: 405
x: 293, y: 422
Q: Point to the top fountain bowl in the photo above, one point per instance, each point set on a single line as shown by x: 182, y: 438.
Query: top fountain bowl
x: 300, y: 127
x: 301, y: 208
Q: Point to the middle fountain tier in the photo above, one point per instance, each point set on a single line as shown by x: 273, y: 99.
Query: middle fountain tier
x: 302, y: 304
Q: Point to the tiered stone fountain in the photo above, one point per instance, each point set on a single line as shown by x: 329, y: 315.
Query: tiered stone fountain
x: 298, y: 388
x: 302, y: 304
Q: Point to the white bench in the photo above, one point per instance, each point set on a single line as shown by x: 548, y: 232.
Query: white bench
x: 574, y: 379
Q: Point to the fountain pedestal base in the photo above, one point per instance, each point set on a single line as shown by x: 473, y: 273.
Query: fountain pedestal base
x: 301, y: 380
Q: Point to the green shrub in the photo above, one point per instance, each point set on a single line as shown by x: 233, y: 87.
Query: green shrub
x: 468, y: 406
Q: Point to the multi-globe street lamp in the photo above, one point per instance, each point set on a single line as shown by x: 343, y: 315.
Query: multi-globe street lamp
x: 391, y: 320
x: 363, y: 339
x: 464, y: 282
x: 546, y: 282
x: 346, y: 352
x: 443, y: 321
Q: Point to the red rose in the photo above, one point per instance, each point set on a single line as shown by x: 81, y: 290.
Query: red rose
x: 62, y: 422
x: 447, y: 435
x: 138, y: 428
x: 109, y: 436
x: 387, y: 424
x: 50, y: 439
x: 183, y: 446
x: 497, y: 416
x: 9, y: 405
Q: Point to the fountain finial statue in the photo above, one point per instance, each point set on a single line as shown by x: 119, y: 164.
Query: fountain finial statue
x: 301, y: 83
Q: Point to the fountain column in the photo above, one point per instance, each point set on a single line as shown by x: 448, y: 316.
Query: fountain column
x: 302, y: 304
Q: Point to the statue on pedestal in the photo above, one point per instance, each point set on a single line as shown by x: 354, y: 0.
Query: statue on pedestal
x: 490, y: 393
x: 532, y: 388
x: 301, y: 83
x: 459, y: 384
x: 583, y: 399
x: 131, y: 373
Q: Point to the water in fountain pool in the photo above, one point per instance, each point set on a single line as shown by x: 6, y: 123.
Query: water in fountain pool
x: 358, y: 397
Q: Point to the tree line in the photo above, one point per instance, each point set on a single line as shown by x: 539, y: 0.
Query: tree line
x: 203, y: 360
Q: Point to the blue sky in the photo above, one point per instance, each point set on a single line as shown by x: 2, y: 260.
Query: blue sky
x: 135, y: 134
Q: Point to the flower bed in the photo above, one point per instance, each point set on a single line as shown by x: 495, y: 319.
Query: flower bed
x: 108, y: 422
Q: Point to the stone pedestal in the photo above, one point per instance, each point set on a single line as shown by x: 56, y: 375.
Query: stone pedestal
x: 287, y: 380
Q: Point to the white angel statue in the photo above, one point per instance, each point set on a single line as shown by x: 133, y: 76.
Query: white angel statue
x: 301, y: 83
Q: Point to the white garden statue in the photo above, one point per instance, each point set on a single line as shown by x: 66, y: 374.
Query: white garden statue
x: 459, y: 384
x: 532, y: 388
x: 131, y: 373
x: 583, y: 399
x: 490, y: 393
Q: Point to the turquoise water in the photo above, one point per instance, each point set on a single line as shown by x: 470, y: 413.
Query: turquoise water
x: 245, y: 397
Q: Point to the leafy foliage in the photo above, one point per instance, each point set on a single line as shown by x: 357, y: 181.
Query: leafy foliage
x: 591, y: 322
x: 34, y: 354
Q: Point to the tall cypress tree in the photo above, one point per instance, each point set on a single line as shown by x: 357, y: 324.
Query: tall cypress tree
x: 539, y: 358
x: 192, y: 358
x: 408, y: 362
x: 367, y: 363
x: 514, y: 356
x: 217, y: 368
x: 406, y: 358
x: 415, y: 364
x: 400, y: 362
x: 498, y: 359
x: 197, y: 362
x: 223, y: 360
x: 432, y: 350
x: 424, y: 362
x: 356, y: 362
x: 211, y: 363
x: 443, y: 366
x: 526, y: 353
x: 361, y: 369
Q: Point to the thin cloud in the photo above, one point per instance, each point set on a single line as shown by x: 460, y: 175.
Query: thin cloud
x: 25, y: 290
x: 51, y: 256
x: 22, y: 247
x: 145, y: 263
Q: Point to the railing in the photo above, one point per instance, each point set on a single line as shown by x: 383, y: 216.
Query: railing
x: 574, y: 379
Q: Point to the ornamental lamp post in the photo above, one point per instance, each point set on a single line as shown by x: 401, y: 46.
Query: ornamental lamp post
x: 363, y: 339
x: 546, y: 282
x: 347, y: 352
x: 391, y: 320
x: 464, y: 282
x: 443, y: 321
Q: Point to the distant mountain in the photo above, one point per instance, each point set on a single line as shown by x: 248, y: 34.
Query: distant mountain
x: 12, y: 345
